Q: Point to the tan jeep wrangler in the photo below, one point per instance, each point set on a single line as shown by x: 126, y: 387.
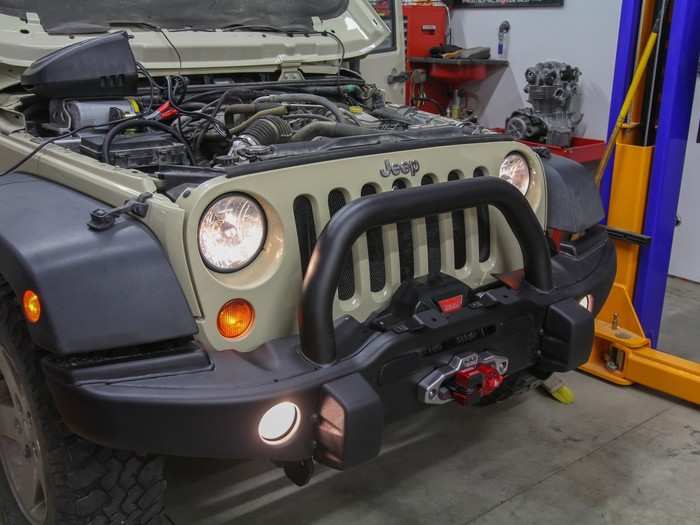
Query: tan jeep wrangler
x: 217, y: 240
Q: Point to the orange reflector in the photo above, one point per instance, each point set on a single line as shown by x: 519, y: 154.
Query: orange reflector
x: 235, y: 318
x: 31, y: 306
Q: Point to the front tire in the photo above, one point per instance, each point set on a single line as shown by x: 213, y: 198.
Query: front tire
x: 51, y: 476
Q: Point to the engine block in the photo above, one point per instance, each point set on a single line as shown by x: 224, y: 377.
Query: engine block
x: 552, y: 88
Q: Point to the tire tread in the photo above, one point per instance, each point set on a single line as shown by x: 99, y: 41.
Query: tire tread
x: 90, y: 484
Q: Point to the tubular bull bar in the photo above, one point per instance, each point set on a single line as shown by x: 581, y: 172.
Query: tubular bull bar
x: 321, y: 283
x: 346, y: 378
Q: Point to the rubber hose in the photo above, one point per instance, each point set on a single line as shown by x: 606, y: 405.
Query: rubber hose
x: 331, y: 130
x: 309, y: 116
x: 141, y: 123
x: 269, y: 130
x: 277, y: 110
x: 305, y: 97
x: 237, y: 109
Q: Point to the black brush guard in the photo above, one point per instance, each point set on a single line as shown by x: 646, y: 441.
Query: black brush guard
x: 321, y: 283
x: 346, y: 377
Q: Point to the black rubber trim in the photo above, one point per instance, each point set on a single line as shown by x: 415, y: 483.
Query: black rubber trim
x: 99, y: 290
x: 321, y: 281
x: 361, y: 151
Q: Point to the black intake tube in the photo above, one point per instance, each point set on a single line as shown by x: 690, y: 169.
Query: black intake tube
x: 346, y: 226
x: 330, y: 130
x: 269, y: 130
x: 307, y: 98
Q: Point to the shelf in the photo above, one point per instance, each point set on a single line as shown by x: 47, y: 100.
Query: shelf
x: 457, y: 70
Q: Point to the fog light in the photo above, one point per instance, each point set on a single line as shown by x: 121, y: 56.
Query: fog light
x: 235, y: 318
x: 587, y: 303
x: 279, y: 423
x: 31, y: 306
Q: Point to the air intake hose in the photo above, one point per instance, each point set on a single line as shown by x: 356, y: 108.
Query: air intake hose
x: 331, y: 130
x: 307, y: 98
x: 269, y: 130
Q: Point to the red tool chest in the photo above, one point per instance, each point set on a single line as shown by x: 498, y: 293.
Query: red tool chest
x: 425, y: 28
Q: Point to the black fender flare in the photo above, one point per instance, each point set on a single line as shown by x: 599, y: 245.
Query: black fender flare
x: 573, y: 204
x: 98, y: 290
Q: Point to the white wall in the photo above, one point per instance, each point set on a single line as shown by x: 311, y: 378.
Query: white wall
x: 583, y: 33
x: 685, y: 258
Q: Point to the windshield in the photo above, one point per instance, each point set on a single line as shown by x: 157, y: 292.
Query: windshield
x: 84, y: 16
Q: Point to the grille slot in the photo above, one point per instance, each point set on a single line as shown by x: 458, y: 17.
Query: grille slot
x: 405, y: 238
x: 346, y: 284
x: 459, y: 230
x: 484, y: 224
x: 375, y: 250
x: 306, y: 230
x: 432, y: 231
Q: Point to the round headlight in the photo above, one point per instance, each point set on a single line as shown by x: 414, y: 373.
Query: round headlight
x: 232, y: 233
x: 516, y: 170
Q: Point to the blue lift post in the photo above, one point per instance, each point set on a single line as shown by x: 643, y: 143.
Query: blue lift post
x: 624, y: 69
x: 644, y: 198
x: 671, y: 140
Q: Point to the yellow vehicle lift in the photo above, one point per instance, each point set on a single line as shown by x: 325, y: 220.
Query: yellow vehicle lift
x: 622, y: 353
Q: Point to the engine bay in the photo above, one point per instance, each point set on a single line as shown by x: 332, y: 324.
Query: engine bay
x: 188, y: 127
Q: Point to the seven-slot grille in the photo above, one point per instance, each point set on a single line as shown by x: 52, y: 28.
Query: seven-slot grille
x: 396, y: 253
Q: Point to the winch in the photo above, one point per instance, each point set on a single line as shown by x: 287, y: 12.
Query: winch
x: 467, y: 379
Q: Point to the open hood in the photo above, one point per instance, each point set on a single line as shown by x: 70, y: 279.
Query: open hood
x: 199, y: 29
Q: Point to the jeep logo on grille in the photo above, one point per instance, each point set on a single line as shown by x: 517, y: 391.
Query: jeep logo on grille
x: 407, y: 167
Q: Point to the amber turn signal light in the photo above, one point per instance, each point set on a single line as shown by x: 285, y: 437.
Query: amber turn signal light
x: 31, y: 306
x: 235, y: 318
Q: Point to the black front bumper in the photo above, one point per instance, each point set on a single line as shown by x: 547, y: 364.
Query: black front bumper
x: 348, y: 378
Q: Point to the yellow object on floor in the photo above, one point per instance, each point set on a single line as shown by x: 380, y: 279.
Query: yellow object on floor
x: 559, y: 390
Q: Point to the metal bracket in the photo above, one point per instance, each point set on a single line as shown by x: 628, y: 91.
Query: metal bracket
x: 397, y: 78
x: 628, y: 236
x: 624, y: 356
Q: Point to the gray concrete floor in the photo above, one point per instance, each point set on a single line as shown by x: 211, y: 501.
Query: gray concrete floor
x: 618, y: 455
x: 680, y: 332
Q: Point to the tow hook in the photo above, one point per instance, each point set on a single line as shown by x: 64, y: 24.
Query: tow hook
x: 298, y: 472
x: 466, y: 379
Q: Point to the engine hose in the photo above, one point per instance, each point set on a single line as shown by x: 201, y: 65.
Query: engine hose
x: 387, y: 113
x: 193, y: 106
x: 330, y: 130
x: 269, y: 130
x: 205, y: 129
x: 141, y: 123
x: 308, y: 116
x: 350, y: 116
x: 236, y: 109
x: 232, y: 110
x: 305, y: 97
x: 277, y: 110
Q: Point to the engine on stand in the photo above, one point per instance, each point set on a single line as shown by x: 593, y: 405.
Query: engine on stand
x: 552, y: 88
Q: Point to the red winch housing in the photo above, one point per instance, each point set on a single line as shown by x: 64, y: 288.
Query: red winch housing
x: 472, y: 384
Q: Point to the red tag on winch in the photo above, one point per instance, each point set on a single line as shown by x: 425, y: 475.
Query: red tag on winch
x: 451, y: 304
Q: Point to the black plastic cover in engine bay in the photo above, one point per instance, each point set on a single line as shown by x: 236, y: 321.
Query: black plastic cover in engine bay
x: 137, y: 150
x: 99, y: 67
